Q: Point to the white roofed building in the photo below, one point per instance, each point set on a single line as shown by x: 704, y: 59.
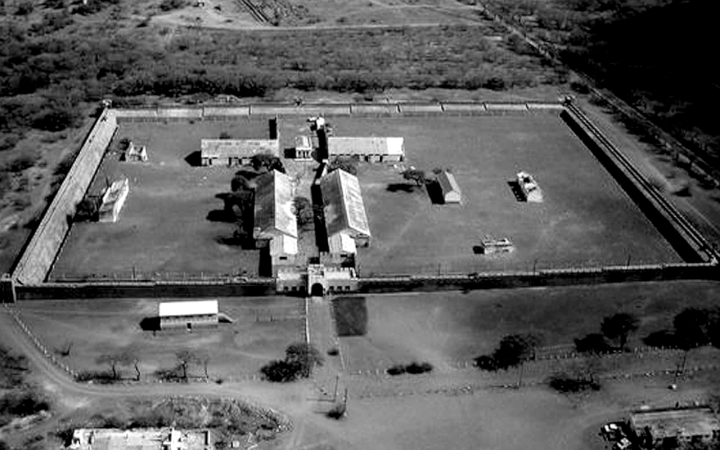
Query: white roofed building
x: 371, y: 149
x: 343, y: 207
x: 188, y: 314
x: 234, y: 152
x: 529, y: 187
x: 274, y: 207
x: 451, y: 192
x: 113, y: 200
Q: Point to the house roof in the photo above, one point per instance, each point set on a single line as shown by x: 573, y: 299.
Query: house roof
x: 338, y: 145
x: 447, y: 182
x: 197, y: 308
x: 283, y: 245
x: 342, y: 243
x: 343, y: 202
x: 274, y: 206
x: 676, y: 422
x: 238, y: 148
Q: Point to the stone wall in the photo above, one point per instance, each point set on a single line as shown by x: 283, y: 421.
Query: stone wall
x: 39, y: 255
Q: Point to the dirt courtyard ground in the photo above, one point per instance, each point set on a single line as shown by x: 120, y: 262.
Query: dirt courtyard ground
x: 444, y: 328
x: 586, y: 219
x: 263, y: 327
x: 164, y: 225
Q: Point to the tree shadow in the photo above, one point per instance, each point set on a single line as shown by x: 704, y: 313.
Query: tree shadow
x: 434, y: 191
x: 194, y: 159
x: 150, y: 324
x: 516, y: 190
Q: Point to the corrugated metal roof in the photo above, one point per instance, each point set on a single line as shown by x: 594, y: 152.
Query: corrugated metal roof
x: 238, y: 148
x: 283, y: 245
x: 448, y: 183
x: 674, y: 422
x: 198, y: 308
x: 342, y: 243
x: 344, y: 207
x: 274, y: 206
x: 338, y: 145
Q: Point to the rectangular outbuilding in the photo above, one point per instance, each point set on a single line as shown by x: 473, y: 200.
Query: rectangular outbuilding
x: 235, y: 152
x: 370, y: 149
x: 676, y: 425
x: 113, y: 200
x: 343, y: 207
x: 451, y: 192
x: 188, y: 315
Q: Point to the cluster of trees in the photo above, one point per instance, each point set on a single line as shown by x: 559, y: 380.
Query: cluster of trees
x: 349, y: 165
x: 512, y: 351
x: 304, y: 211
x: 300, y: 359
x: 414, y: 368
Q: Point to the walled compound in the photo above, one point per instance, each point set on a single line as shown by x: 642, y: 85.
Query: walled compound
x: 28, y: 277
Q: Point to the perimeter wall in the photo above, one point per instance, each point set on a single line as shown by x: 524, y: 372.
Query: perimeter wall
x: 39, y: 255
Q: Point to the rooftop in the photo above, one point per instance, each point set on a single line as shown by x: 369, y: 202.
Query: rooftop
x: 236, y: 148
x: 274, y: 206
x: 366, y: 145
x: 344, y: 207
x: 140, y: 439
x: 193, y: 308
x: 447, y: 182
x: 677, y: 422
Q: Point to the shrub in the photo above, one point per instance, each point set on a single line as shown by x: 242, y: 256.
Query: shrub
x: 25, y: 8
x: 21, y: 162
x: 280, y: 371
x: 564, y: 383
x: 486, y: 362
x: 416, y: 368
x: 169, y: 5
x: 397, y: 369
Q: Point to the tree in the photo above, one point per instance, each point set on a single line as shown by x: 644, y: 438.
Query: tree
x: 303, y: 210
x: 112, y: 359
x: 418, y: 176
x: 225, y: 135
x: 618, y: 327
x: 592, y: 343
x: 86, y: 210
x: 692, y: 327
x: 185, y: 358
x: 240, y: 183
x: 514, y: 350
x: 306, y: 356
x: 280, y: 371
x: 130, y: 357
x: 349, y: 165
x: 267, y: 161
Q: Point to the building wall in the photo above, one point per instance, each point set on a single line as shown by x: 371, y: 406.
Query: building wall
x: 452, y: 197
x: 183, y: 321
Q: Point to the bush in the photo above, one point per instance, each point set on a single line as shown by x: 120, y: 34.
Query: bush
x: 96, y: 376
x: 169, y: 5
x: 25, y: 8
x: 592, y: 343
x: 416, y: 368
x: 564, y: 383
x: 21, y: 162
x: 486, y: 362
x: 281, y: 371
x: 23, y: 403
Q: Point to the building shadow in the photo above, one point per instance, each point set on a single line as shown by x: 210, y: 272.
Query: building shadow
x: 194, y: 159
x: 434, y: 191
x: 150, y: 324
x: 321, y: 237
x: 516, y: 190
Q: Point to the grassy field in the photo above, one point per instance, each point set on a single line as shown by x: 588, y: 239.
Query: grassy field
x: 164, y: 224
x: 453, y: 326
x: 585, y: 220
x: 263, y: 327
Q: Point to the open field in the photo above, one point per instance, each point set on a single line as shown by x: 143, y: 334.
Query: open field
x: 585, y: 220
x: 164, y: 224
x: 263, y: 327
x: 452, y: 326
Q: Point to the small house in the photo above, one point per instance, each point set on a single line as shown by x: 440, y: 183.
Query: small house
x: 369, y: 149
x: 235, y: 152
x: 135, y: 153
x: 113, y: 200
x: 449, y: 188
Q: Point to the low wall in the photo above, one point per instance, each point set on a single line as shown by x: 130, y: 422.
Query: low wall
x: 39, y: 255
x: 559, y: 277
x: 158, y: 289
x: 686, y: 241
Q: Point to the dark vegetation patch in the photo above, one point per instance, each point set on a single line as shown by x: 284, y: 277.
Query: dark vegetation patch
x: 351, y: 316
x: 300, y: 359
x: 20, y: 399
x: 414, y: 368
